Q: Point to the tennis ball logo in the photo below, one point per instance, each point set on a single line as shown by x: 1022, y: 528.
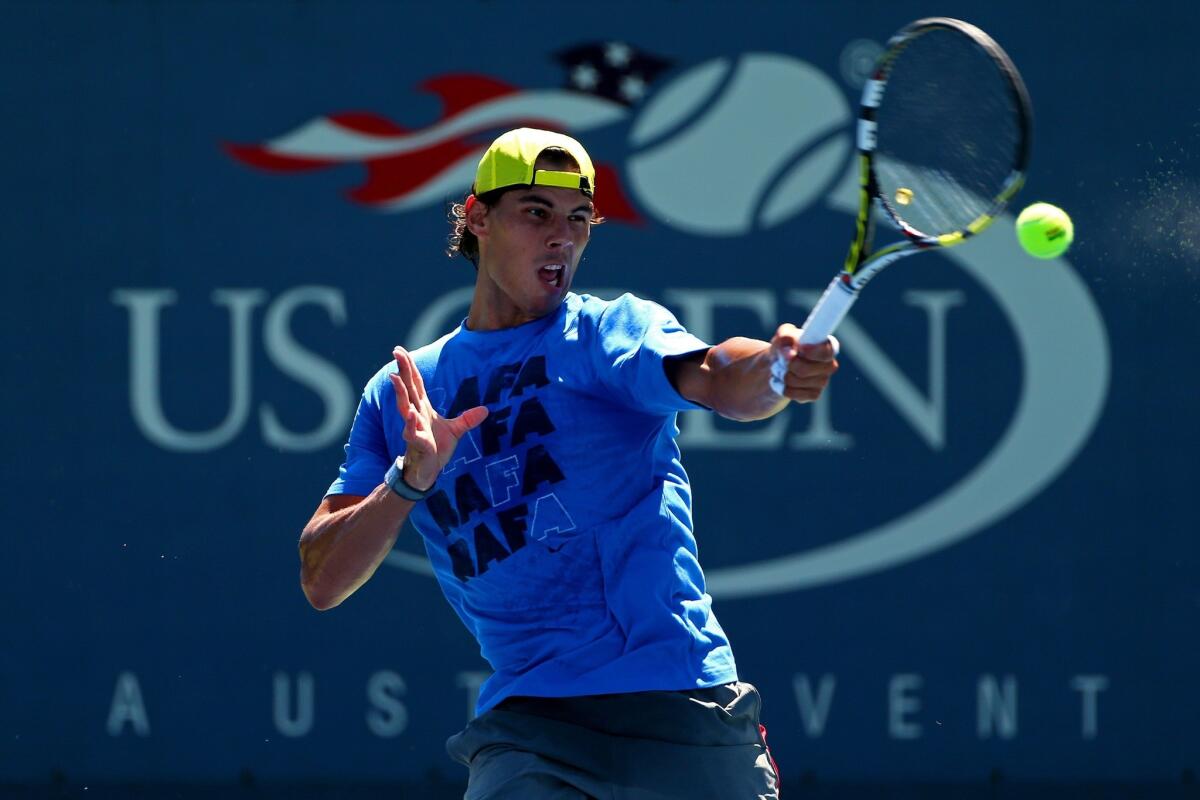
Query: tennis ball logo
x: 734, y: 145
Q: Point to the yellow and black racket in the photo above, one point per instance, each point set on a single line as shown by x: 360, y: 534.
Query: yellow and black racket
x: 943, y: 142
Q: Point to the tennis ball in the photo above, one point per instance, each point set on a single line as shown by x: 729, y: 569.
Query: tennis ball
x: 1045, y: 231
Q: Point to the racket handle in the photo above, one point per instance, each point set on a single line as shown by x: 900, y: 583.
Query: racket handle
x: 828, y: 313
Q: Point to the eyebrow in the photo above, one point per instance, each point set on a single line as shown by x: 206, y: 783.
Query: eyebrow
x: 542, y: 201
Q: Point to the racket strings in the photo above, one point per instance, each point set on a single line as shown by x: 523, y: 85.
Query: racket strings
x: 949, y: 133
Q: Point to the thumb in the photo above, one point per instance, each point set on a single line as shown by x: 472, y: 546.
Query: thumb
x: 786, y: 341
x: 470, y: 419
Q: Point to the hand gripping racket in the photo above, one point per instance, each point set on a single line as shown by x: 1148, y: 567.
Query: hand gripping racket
x: 943, y: 143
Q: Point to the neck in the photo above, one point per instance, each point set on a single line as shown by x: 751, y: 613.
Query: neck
x: 493, y: 310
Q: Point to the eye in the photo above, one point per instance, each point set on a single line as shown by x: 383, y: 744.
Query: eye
x: 536, y: 211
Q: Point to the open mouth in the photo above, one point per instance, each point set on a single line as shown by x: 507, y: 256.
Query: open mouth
x: 552, y: 274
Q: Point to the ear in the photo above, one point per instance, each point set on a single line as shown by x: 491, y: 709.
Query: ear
x: 477, y: 217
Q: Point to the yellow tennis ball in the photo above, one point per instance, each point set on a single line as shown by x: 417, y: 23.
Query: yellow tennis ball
x: 1045, y: 231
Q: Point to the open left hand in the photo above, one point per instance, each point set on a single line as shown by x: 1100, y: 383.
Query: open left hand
x: 430, y: 437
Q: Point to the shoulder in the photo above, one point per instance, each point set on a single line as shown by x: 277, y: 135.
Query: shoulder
x: 426, y: 359
x: 625, y: 313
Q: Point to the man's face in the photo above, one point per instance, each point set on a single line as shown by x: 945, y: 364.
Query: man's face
x: 530, y: 244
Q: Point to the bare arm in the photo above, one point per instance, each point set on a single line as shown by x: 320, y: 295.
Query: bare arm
x: 345, y: 542
x: 349, y: 536
x: 734, y: 377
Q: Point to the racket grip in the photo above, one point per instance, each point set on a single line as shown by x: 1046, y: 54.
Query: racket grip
x: 828, y: 313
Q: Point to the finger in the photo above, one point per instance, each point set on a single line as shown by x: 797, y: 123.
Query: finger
x: 825, y: 351
x: 782, y: 351
x: 413, y: 421
x: 816, y: 382
x: 417, y: 379
x: 402, y: 401
x: 414, y: 424
x: 805, y: 388
x: 407, y: 372
x: 786, y: 340
x: 801, y: 367
x: 468, y: 419
x: 412, y: 374
x: 802, y: 395
x: 426, y: 405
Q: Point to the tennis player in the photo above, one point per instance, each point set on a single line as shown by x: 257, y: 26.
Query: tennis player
x: 533, y: 448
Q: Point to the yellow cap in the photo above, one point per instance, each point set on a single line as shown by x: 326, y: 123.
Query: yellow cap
x: 510, y: 159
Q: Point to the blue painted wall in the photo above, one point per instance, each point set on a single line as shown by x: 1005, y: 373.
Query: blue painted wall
x: 977, y: 556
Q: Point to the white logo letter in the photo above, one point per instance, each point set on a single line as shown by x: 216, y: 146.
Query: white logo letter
x: 472, y: 681
x: 926, y: 415
x: 1090, y: 686
x: 145, y: 398
x: 326, y: 380
x: 997, y: 707
x: 389, y: 716
x: 902, y: 701
x: 549, y: 516
x: 814, y: 713
x: 127, y: 706
x: 298, y: 723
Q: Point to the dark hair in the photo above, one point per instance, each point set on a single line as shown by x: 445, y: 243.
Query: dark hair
x: 462, y: 242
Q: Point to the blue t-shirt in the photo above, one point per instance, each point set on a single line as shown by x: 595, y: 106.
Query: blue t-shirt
x: 561, y: 531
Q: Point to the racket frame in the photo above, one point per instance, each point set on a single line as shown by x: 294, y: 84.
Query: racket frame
x: 862, y: 264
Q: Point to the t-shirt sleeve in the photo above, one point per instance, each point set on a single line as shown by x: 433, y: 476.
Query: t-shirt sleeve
x: 633, y: 337
x: 367, y: 458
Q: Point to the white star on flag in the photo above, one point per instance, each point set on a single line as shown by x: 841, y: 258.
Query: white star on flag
x: 617, y: 54
x: 632, y: 88
x: 585, y: 77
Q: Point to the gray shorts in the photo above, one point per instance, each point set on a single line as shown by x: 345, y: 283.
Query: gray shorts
x: 697, y: 744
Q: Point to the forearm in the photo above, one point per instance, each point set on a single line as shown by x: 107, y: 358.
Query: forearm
x: 739, y: 380
x: 340, y: 550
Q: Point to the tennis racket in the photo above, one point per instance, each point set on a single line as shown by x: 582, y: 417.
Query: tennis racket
x: 943, y: 143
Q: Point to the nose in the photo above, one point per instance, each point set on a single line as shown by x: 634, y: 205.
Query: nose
x: 559, y: 235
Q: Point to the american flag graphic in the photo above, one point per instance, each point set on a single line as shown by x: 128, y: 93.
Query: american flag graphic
x: 411, y: 168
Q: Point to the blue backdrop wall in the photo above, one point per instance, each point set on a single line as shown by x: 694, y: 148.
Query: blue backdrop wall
x: 976, y: 556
